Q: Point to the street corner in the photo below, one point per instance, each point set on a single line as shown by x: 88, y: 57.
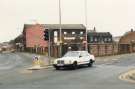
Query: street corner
x: 30, y: 70
x: 128, y: 76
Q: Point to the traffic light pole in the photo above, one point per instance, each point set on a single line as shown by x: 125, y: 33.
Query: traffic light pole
x: 49, y: 50
x: 48, y: 39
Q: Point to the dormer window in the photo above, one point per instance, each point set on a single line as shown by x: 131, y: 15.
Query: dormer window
x: 105, y: 39
x: 109, y: 39
x: 95, y: 39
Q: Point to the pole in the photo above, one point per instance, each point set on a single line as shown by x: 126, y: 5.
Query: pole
x: 86, y: 46
x: 60, y: 28
x: 49, y: 54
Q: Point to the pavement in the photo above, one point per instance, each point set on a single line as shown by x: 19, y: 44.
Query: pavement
x: 128, y: 76
x: 47, y: 61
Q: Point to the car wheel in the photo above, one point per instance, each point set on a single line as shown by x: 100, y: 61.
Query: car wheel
x: 90, y: 63
x: 74, y: 66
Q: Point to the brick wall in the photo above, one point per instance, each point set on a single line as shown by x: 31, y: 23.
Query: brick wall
x: 34, y: 36
x: 103, y: 49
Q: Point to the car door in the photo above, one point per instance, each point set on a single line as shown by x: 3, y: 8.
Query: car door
x: 83, y: 58
x: 80, y: 59
x: 86, y: 57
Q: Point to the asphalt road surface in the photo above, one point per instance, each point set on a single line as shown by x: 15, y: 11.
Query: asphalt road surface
x: 103, y: 75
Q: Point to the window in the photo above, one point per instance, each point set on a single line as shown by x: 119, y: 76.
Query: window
x: 105, y: 39
x: 101, y: 40
x: 84, y: 54
x: 55, y: 33
x: 55, y: 36
x: 65, y: 33
x: 81, y: 32
x: 95, y: 39
x: 73, y: 33
x: 81, y: 38
x: 109, y: 39
x: 91, y: 39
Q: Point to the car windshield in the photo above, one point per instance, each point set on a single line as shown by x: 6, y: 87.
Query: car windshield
x: 71, y: 54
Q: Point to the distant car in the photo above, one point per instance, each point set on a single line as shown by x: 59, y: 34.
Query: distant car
x: 74, y: 59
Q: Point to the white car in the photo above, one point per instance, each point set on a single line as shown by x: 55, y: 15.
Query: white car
x: 74, y: 59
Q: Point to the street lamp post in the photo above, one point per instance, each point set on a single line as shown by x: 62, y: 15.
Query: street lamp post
x: 60, y: 28
x: 85, y: 2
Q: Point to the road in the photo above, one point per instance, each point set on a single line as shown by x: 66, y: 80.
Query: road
x: 103, y: 75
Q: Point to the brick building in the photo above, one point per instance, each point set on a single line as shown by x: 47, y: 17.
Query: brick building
x: 72, y: 36
x: 33, y: 37
x: 101, y: 43
x: 127, y: 42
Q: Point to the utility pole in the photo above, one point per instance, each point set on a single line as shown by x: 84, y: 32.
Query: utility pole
x: 85, y: 2
x: 60, y: 39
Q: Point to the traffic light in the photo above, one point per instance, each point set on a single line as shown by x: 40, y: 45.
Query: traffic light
x: 46, y: 35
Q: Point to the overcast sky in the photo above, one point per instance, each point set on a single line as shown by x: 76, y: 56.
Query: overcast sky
x: 115, y: 16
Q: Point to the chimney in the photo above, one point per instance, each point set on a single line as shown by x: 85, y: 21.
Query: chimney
x: 132, y: 30
x: 94, y: 29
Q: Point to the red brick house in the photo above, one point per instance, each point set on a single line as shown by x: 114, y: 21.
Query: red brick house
x: 127, y: 42
x: 34, y: 38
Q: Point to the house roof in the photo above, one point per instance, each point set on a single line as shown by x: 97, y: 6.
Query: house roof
x: 57, y: 26
x: 99, y: 34
x: 65, y: 26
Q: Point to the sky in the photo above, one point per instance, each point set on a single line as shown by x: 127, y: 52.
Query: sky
x: 115, y: 16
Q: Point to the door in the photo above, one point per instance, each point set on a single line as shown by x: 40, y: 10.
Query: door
x: 84, y: 58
